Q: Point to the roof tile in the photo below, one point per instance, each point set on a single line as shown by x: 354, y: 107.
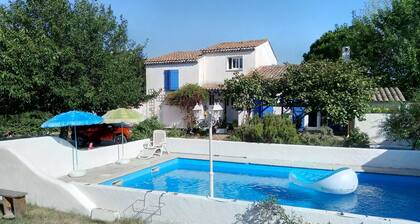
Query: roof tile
x: 192, y: 56
x: 175, y: 57
x: 234, y: 46
x: 388, y: 94
x: 271, y: 71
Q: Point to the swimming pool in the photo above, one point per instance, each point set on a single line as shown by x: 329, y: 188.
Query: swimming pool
x: 377, y: 195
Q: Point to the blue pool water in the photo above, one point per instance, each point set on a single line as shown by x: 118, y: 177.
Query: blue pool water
x: 378, y: 195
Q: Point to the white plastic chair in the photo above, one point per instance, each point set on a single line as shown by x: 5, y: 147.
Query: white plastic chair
x: 157, y: 146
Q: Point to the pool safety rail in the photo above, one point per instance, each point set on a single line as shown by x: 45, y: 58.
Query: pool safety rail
x: 145, y: 208
x: 117, y: 183
x: 155, y: 169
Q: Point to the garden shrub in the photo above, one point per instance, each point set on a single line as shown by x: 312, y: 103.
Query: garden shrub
x: 357, y: 138
x: 326, y: 131
x: 145, y: 128
x: 234, y: 138
x: 324, y: 137
x: 175, y: 132
x: 269, y: 129
x: 267, y: 211
x: 405, y: 123
x: 26, y: 124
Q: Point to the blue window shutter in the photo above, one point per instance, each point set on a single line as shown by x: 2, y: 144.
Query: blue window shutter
x: 299, y: 112
x: 171, y: 80
x: 266, y: 110
x: 174, y: 80
x: 166, y: 79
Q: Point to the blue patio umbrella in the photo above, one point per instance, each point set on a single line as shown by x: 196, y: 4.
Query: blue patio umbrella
x: 73, y: 119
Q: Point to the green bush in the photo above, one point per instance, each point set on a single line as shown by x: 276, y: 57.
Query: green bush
x: 324, y: 136
x: 357, y: 139
x: 175, y: 132
x: 267, y: 211
x: 269, y: 129
x: 381, y: 110
x: 24, y: 124
x: 145, y: 128
x: 234, y: 138
x: 326, y: 131
x: 405, y: 123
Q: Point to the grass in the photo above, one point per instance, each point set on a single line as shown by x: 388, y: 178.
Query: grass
x: 39, y: 215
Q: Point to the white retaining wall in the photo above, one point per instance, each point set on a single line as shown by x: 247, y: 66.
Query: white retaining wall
x: 53, y: 156
x: 32, y: 165
x: 191, y: 209
x: 17, y: 173
x: 268, y: 153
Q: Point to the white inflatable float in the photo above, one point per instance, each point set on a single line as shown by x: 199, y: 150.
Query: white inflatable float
x: 340, y: 181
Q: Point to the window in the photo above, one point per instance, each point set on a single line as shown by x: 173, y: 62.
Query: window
x: 211, y: 99
x: 234, y: 63
x: 312, y: 119
x: 171, y: 80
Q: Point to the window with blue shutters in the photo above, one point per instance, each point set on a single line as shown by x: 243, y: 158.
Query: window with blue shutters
x: 171, y: 80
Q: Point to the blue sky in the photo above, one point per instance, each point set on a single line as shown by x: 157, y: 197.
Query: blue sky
x: 290, y: 25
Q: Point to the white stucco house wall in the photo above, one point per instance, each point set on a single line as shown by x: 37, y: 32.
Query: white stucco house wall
x: 207, y: 67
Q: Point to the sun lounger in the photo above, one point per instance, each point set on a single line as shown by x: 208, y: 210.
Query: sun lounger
x: 156, y: 147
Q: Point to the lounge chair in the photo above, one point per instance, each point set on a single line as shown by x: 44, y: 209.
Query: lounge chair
x: 156, y: 147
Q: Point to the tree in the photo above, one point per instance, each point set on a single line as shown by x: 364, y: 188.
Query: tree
x: 186, y: 98
x: 57, y: 55
x: 405, y: 123
x: 387, y: 42
x: 249, y: 91
x: 339, y: 90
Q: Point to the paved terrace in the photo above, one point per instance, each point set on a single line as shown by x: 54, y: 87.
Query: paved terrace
x: 113, y: 170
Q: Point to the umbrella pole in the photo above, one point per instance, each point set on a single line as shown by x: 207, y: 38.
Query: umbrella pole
x: 122, y: 142
x: 76, y: 172
x: 75, y: 150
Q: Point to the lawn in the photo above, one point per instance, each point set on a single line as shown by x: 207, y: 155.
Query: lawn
x: 39, y: 215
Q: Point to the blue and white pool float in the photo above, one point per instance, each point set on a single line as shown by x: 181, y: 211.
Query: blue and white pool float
x: 340, y: 181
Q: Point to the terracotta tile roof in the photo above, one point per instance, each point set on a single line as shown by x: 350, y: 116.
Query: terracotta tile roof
x: 192, y: 56
x: 271, y: 71
x: 388, y: 94
x: 175, y: 57
x: 234, y: 46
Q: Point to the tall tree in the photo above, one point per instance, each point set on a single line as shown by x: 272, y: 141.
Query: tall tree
x: 249, y: 91
x: 387, y: 42
x: 57, y: 55
x: 339, y: 90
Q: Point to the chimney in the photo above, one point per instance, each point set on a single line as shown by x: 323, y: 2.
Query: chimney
x: 345, y: 53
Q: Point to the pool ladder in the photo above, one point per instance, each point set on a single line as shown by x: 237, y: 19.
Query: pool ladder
x: 145, y: 208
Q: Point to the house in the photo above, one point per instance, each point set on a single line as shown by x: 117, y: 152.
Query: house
x: 207, y: 67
